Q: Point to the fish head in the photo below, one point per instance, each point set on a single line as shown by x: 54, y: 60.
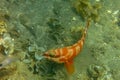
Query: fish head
x: 49, y: 53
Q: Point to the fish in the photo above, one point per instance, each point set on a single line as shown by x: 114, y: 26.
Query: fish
x: 67, y: 54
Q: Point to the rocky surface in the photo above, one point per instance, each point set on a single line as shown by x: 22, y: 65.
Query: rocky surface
x: 39, y: 25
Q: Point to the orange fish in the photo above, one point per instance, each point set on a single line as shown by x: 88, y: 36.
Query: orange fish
x: 66, y: 54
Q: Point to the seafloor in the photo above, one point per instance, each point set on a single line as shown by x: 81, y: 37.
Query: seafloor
x: 28, y: 28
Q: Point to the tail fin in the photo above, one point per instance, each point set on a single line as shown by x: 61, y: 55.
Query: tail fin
x: 86, y: 28
x: 87, y: 24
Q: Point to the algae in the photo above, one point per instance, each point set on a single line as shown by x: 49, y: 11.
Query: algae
x: 87, y: 10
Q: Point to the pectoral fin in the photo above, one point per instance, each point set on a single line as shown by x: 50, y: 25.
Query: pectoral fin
x: 69, y: 66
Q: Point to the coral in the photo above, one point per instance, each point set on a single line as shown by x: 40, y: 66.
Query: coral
x: 2, y: 27
x: 96, y: 72
x: 5, y: 39
x: 87, y: 10
x: 8, y: 43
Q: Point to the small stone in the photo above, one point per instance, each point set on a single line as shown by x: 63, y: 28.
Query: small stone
x: 74, y: 18
x: 109, y: 11
x: 97, y: 0
x: 27, y: 61
x: 115, y: 12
